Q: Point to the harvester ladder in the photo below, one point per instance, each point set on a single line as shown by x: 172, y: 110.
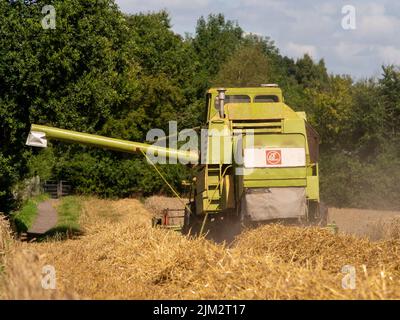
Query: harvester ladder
x: 214, y: 186
x: 216, y: 190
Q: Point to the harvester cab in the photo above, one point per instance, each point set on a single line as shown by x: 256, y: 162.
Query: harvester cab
x: 259, y: 161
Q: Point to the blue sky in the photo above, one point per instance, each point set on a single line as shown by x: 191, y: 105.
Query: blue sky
x: 302, y: 26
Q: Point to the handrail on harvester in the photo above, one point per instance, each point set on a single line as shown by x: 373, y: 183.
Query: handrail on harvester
x: 39, y: 133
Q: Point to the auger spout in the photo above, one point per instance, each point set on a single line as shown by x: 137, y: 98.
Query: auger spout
x: 39, y: 135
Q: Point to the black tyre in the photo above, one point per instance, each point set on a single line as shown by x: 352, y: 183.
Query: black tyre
x: 323, y: 214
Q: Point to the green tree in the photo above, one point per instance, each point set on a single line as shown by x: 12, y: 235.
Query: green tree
x: 169, y: 67
x: 74, y: 76
x: 248, y: 66
x: 330, y: 110
x: 215, y: 40
x: 310, y: 74
x: 367, y: 121
x: 390, y: 92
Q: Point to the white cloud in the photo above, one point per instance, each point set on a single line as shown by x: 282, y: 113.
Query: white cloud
x: 389, y: 54
x: 302, y: 26
x: 346, y: 51
x: 155, y: 5
x: 378, y: 25
x: 246, y: 33
x: 328, y: 8
x: 298, y: 50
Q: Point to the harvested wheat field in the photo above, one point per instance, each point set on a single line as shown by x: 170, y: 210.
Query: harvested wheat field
x: 121, y: 256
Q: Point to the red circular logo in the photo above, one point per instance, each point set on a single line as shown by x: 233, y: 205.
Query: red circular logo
x: 274, y: 157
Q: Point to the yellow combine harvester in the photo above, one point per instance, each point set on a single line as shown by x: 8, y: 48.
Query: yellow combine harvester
x: 258, y: 161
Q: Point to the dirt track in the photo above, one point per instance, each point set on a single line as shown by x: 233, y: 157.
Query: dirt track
x: 46, y: 218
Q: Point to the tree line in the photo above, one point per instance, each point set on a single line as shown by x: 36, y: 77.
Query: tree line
x: 101, y: 71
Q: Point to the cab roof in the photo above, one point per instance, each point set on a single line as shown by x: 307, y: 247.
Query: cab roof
x: 250, y: 91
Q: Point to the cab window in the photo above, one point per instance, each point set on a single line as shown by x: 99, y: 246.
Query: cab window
x: 237, y: 99
x: 266, y: 99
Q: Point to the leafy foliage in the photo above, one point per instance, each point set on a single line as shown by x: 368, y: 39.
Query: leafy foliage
x: 74, y: 76
x: 390, y: 92
x: 248, y: 66
x: 104, y: 72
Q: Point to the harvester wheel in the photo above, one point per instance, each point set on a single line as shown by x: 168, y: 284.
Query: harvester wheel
x: 317, y: 214
x: 323, y: 214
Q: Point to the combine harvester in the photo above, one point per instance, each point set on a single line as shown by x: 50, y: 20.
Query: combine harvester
x: 259, y: 162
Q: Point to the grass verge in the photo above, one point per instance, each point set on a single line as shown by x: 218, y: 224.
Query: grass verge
x: 24, y: 218
x: 69, y: 211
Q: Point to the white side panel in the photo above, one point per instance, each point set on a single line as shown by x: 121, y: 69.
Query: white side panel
x: 274, y: 157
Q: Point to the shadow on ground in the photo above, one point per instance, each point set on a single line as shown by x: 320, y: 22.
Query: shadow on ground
x: 56, y: 234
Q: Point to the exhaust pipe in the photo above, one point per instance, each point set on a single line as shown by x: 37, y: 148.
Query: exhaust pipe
x: 221, y: 101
